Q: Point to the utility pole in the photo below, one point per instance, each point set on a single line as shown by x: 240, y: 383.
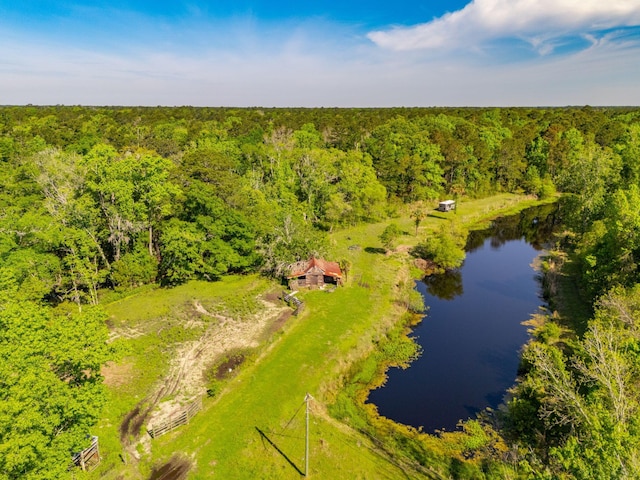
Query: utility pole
x: 307, y: 398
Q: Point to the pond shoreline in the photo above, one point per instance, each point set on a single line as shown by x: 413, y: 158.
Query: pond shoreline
x: 421, y: 446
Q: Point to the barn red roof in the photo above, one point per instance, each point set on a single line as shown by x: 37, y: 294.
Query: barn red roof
x: 314, y: 265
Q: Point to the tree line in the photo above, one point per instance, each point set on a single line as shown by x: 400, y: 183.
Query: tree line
x: 95, y: 198
x: 118, y: 197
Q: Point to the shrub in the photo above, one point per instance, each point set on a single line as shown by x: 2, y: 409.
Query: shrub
x: 446, y: 249
x: 134, y: 269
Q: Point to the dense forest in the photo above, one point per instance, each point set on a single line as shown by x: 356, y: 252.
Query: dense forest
x: 108, y: 199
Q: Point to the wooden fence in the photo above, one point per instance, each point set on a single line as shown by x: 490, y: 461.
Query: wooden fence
x: 177, y: 419
x: 89, y: 458
x: 292, y: 300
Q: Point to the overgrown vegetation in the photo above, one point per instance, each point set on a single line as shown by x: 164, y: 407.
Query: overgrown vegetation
x: 445, y: 249
x: 103, y: 203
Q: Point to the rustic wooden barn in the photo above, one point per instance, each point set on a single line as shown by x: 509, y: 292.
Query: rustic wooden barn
x: 314, y: 273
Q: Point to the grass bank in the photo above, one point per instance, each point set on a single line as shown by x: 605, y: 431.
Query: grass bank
x: 254, y: 427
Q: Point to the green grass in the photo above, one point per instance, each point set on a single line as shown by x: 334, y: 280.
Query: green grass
x: 266, y: 395
x: 161, y: 302
x: 312, y: 354
x: 157, y: 314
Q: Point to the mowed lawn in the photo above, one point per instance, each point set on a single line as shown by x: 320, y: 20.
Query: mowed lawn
x: 255, y: 427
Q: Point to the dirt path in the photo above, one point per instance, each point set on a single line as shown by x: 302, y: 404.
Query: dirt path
x: 124, y: 332
x: 186, y: 380
x: 175, y: 469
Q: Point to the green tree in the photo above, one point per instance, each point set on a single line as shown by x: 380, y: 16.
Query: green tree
x: 532, y: 181
x: 389, y: 235
x: 208, y: 240
x: 182, y: 249
x: 610, y: 249
x: 510, y: 162
x: 547, y: 188
x: 134, y: 268
x: 465, y: 146
x: 37, y: 273
x: 357, y: 194
x: 446, y: 248
x: 50, y: 385
x: 315, y: 172
x: 110, y: 180
x: 591, y: 173
x: 307, y: 137
x: 153, y: 190
x: 288, y: 240
x: 214, y: 158
x: 418, y: 214
x: 407, y: 162
x: 536, y: 155
x: 630, y: 152
x: 578, y: 402
x: 76, y: 235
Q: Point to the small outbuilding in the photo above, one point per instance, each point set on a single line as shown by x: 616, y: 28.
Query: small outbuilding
x: 447, y: 205
x: 314, y: 273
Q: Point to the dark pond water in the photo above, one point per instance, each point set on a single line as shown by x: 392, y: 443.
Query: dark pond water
x: 472, y: 334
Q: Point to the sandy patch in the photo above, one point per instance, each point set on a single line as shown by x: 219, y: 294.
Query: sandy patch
x: 186, y: 378
x: 116, y: 374
x: 124, y: 332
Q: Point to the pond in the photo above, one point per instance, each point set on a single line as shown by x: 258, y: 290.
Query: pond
x: 472, y: 333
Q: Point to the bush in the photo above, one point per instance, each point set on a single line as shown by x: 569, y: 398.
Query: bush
x: 134, y: 269
x: 547, y: 188
x: 446, y: 249
x: 390, y: 235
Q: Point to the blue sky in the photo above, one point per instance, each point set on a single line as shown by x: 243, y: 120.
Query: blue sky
x: 348, y: 53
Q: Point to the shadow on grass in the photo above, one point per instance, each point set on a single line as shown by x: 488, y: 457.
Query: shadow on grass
x: 175, y: 469
x: 284, y: 455
x: 379, y: 250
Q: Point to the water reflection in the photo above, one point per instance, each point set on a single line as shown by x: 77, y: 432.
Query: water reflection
x: 534, y: 225
x: 472, y: 336
x: 446, y: 286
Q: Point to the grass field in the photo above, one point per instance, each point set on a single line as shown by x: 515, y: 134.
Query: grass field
x: 255, y: 426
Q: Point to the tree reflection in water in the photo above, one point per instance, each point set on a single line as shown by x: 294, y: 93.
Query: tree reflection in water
x: 445, y: 286
x: 535, y: 225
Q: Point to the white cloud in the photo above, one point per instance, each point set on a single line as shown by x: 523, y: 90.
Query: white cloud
x: 538, y: 22
x: 605, y: 74
x: 310, y: 65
